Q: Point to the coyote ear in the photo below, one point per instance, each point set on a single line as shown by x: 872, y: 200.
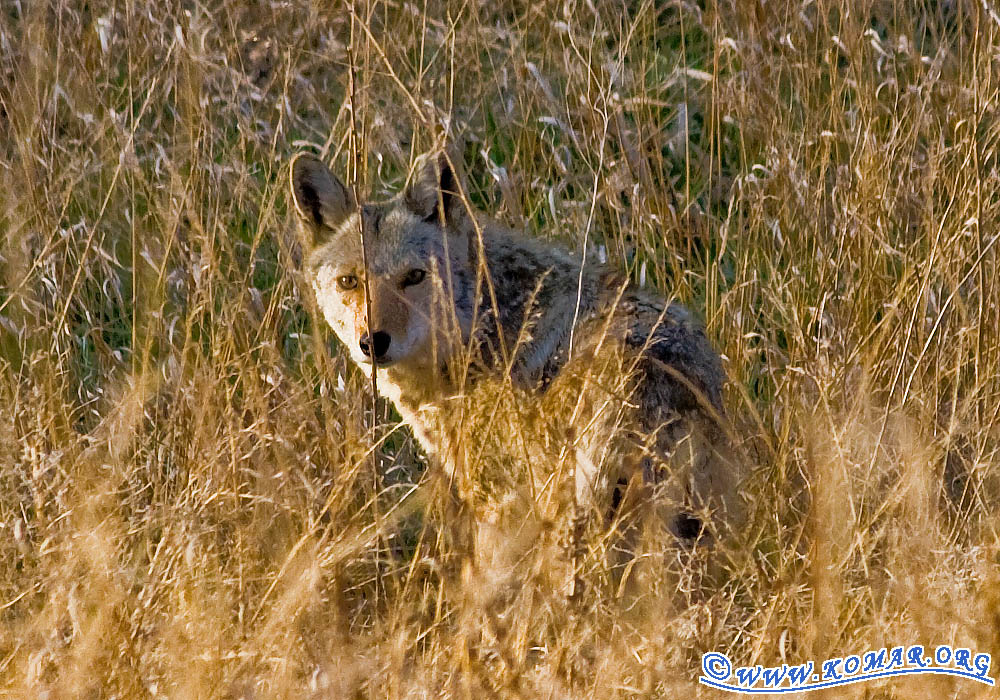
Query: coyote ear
x: 321, y: 200
x: 433, y: 190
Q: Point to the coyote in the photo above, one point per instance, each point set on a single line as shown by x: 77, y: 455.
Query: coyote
x: 441, y: 300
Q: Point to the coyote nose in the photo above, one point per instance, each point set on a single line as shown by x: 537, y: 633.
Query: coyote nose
x: 375, y: 345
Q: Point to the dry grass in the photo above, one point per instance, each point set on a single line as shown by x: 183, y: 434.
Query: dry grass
x: 188, y: 507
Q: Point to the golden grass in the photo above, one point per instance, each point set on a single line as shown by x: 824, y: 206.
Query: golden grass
x: 189, y: 504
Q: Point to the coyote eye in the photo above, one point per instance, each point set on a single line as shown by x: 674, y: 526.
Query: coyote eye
x: 347, y: 282
x: 414, y: 276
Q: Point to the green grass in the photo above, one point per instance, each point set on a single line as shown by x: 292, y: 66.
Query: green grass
x: 189, y: 506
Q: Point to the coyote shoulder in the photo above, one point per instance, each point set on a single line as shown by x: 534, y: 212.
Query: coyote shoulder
x: 441, y: 299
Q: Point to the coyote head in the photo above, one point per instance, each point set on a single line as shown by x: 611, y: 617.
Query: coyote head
x: 404, y: 299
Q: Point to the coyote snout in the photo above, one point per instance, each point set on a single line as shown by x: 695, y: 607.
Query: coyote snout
x: 381, y: 312
x: 376, y: 346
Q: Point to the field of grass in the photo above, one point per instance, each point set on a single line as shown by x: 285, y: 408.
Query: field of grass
x: 198, y: 496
